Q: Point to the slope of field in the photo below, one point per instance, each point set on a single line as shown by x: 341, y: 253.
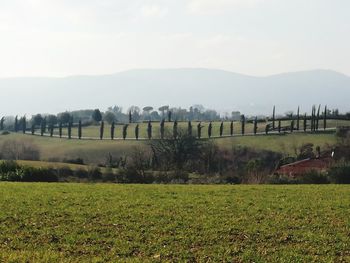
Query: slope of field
x: 144, y: 223
x: 96, y: 151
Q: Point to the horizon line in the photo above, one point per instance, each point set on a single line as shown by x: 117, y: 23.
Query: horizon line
x: 175, y: 68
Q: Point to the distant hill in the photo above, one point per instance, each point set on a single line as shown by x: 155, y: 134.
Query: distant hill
x: 217, y: 89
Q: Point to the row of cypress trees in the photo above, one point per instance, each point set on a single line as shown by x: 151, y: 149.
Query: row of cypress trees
x: 314, y: 120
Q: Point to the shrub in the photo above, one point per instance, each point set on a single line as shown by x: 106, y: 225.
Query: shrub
x: 65, y: 172
x: 8, y: 166
x: 74, y: 161
x: 108, y: 175
x: 130, y: 175
x: 31, y: 174
x: 11, y: 171
x: 314, y: 177
x: 94, y: 173
x: 340, y: 174
x: 20, y: 150
x: 81, y: 173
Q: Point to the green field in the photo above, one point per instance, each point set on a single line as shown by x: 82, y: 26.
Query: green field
x: 154, y: 223
x: 96, y: 151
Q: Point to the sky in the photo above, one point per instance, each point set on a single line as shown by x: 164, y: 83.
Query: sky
x: 91, y: 37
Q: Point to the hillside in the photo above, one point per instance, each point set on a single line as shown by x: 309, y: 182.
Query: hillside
x: 221, y: 90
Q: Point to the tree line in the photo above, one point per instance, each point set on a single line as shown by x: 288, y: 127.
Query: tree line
x: 49, y: 124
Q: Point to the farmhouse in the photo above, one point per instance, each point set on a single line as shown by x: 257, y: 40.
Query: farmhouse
x: 301, y: 167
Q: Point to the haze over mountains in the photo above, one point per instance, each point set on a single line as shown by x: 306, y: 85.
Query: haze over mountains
x: 216, y: 89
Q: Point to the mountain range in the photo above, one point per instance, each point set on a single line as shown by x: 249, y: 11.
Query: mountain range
x: 214, y: 89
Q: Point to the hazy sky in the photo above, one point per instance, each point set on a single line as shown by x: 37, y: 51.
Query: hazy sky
x: 256, y: 37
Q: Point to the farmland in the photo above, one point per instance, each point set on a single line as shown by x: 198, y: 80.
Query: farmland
x: 143, y: 223
x: 95, y: 151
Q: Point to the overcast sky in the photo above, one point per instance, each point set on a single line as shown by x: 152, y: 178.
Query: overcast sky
x: 255, y: 37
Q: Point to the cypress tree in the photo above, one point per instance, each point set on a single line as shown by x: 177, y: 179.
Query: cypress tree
x: 42, y: 127
x: 243, y: 124
x: 16, y: 124
x: 69, y: 130
x: 24, y: 124
x: 112, y: 130
x: 313, y: 116
x: 298, y: 118
x: 51, y: 128
x: 60, y: 129
x: 137, y: 132
x: 189, y: 128
x: 2, y: 123
x: 210, y: 127
x: 255, y: 125
x: 279, y: 126
x: 199, y: 130
x: 149, y: 130
x: 305, y: 122
x: 175, y: 134
x: 312, y: 119
x: 221, y: 128
x: 231, y: 128
x: 325, y: 118
x: 79, y: 130
x: 125, y: 131
x: 102, y: 129
x: 273, y: 117
x: 162, y: 129
x: 318, y: 116
x: 32, y: 129
x: 130, y: 117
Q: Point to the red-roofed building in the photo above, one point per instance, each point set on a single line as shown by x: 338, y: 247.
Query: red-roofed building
x: 301, y: 167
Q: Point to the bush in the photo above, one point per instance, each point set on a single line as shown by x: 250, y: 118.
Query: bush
x: 20, y: 150
x: 131, y: 176
x: 8, y: 166
x: 65, y: 172
x: 12, y: 176
x: 94, y: 173
x: 108, y: 175
x: 340, y: 174
x: 314, y: 177
x: 74, y: 161
x: 11, y: 171
x: 81, y: 173
x: 31, y: 174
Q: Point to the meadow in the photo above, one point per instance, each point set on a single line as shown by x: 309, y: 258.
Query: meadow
x: 156, y: 223
x: 96, y: 151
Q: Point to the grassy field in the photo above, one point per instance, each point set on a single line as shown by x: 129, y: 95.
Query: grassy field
x: 154, y: 223
x: 96, y: 151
